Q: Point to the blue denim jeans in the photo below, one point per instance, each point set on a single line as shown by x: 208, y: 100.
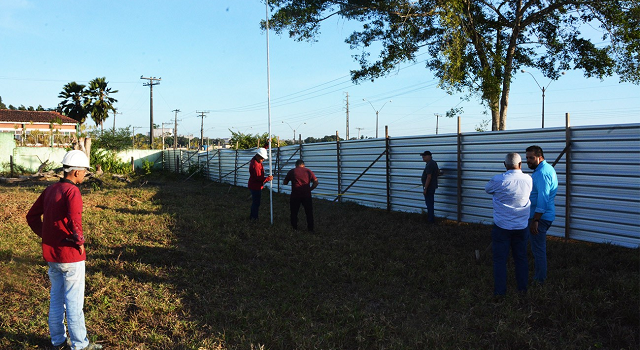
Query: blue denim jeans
x: 67, y: 296
x: 539, y: 250
x: 429, y: 200
x: 501, y: 241
x: 256, y: 195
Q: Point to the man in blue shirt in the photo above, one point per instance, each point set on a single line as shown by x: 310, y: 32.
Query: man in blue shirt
x: 543, y: 208
x: 511, y: 204
x: 429, y: 183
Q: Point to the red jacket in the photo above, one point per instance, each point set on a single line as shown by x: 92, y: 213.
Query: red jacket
x: 56, y: 217
x: 256, y: 175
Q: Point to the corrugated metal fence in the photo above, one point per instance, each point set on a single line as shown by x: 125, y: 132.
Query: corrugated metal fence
x: 603, y: 187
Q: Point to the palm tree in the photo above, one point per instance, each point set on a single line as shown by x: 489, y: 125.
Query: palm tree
x: 73, y: 105
x: 100, y: 103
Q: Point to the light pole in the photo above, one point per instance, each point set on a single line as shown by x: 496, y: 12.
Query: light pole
x: 543, y: 89
x: 377, y: 111
x: 294, y: 130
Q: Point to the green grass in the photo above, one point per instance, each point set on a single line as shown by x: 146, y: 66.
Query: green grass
x: 177, y: 265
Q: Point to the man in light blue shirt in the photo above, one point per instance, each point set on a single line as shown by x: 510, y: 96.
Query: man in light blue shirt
x: 543, y: 208
x: 511, y: 204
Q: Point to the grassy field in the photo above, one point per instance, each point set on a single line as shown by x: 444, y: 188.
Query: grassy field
x: 177, y: 265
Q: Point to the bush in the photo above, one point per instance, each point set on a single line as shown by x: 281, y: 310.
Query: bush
x: 109, y: 161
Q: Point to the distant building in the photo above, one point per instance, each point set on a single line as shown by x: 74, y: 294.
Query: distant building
x: 39, y: 128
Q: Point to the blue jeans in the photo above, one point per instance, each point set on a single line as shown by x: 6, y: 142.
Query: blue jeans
x: 429, y: 200
x: 501, y: 241
x: 256, y: 195
x: 67, y: 296
x: 539, y: 250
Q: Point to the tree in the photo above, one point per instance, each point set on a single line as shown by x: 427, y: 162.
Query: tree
x: 73, y: 104
x: 99, y: 102
x: 118, y: 140
x: 2, y: 105
x: 475, y: 46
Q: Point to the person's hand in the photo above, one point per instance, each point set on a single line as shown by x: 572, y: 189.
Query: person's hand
x: 534, y: 227
x: 81, y: 249
x: 424, y: 190
x: 269, y: 178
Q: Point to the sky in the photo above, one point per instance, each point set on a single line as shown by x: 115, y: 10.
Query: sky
x: 211, y: 56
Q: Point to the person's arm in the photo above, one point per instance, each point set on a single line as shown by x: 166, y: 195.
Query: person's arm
x: 426, y: 183
x: 34, y: 216
x: 490, y: 187
x: 541, y: 206
x: 314, y: 183
x: 74, y: 217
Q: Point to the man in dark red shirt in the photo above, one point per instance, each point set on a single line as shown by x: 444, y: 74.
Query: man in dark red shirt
x: 300, y: 178
x: 56, y: 217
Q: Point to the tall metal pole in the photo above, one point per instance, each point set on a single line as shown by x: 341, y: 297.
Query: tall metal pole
x: 347, y: 134
x: 437, y: 120
x: 152, y: 81
x: 269, y: 109
x: 377, y: 111
x: 543, y: 88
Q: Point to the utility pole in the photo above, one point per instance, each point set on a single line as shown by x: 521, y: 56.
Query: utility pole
x: 133, y: 136
x: 202, y: 115
x: 163, y: 134
x: 175, y: 129
x: 438, y: 115
x: 359, y: 132
x: 347, y: 115
x: 152, y: 81
x: 115, y: 111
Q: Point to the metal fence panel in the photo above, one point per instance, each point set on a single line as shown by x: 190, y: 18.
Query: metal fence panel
x: 604, y: 174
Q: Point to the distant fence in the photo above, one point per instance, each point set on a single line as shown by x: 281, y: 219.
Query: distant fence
x: 598, y: 171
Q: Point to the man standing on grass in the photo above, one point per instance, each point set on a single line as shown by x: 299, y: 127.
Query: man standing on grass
x: 511, y: 204
x: 429, y: 183
x: 257, y: 181
x: 56, y: 217
x: 543, y: 208
x: 301, y: 178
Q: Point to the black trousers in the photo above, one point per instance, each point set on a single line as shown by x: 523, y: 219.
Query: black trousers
x: 294, y: 204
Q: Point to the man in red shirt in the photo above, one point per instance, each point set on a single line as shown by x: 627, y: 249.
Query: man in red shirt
x: 257, y: 180
x: 56, y: 217
x: 300, y: 178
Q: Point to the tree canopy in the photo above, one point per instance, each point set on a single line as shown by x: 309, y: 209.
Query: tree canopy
x: 475, y: 46
x: 99, y: 100
x: 73, y: 104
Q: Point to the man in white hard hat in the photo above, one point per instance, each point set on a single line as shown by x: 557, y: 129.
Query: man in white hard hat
x: 257, y: 179
x: 56, y: 217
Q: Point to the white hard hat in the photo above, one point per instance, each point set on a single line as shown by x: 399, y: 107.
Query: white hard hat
x: 262, y: 153
x: 76, y: 159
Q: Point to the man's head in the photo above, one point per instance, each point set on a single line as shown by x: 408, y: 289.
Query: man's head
x: 512, y: 161
x: 299, y: 163
x: 75, y: 165
x: 534, y: 156
x: 261, y: 155
x: 426, y: 156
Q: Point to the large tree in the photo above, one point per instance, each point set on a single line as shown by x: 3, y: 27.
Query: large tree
x: 73, y: 105
x: 100, y: 102
x: 475, y: 46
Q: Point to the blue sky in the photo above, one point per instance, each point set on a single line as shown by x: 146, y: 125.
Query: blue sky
x: 211, y: 56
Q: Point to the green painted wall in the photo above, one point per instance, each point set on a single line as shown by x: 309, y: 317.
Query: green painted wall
x: 30, y: 158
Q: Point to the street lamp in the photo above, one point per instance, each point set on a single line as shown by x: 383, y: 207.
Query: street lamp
x: 294, y: 130
x: 377, y: 111
x: 541, y: 88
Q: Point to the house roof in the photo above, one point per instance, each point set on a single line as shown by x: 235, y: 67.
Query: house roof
x: 14, y: 116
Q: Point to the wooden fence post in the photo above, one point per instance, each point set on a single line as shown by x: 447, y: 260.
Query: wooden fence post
x: 388, y: 169
x: 235, y: 170
x: 133, y: 165
x: 278, y: 163
x: 219, y: 165
x: 11, y: 166
x: 459, y: 166
x: 567, y: 198
x: 338, y: 166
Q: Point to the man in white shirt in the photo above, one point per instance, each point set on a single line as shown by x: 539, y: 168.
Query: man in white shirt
x: 511, y: 204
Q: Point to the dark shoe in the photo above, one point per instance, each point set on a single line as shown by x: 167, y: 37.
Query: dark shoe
x: 93, y: 346
x: 64, y: 346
